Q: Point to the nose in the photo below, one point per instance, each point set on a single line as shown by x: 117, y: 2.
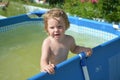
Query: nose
x: 56, y: 29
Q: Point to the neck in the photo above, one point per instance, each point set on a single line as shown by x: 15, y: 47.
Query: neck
x: 58, y: 40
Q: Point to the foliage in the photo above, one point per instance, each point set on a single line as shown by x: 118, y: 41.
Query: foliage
x: 55, y: 2
x: 111, y: 10
x: 83, y: 9
x: 108, y: 10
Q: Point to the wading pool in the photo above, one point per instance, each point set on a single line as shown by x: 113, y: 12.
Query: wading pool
x: 20, y: 46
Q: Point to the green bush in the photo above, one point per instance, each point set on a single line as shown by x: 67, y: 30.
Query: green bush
x: 85, y: 10
x: 111, y: 10
x: 108, y: 10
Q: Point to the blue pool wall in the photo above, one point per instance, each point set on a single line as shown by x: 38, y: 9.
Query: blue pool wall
x: 67, y: 70
x: 107, y: 27
x: 102, y: 65
x: 21, y: 18
x: 17, y: 19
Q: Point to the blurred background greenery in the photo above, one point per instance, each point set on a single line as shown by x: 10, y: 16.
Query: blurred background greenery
x: 107, y: 10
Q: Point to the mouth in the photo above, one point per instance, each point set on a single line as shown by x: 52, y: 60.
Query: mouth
x: 56, y: 35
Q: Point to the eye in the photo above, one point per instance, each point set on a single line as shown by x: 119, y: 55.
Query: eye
x: 51, y: 27
x: 60, y: 27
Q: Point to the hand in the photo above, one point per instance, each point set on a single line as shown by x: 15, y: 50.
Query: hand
x: 88, y: 52
x: 49, y: 68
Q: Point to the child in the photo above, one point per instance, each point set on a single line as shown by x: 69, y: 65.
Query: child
x: 56, y: 46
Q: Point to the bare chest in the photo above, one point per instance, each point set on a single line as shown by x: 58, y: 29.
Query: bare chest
x: 59, y: 52
x: 59, y: 49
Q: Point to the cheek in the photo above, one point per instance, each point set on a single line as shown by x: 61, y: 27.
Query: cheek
x: 49, y: 31
x: 64, y: 29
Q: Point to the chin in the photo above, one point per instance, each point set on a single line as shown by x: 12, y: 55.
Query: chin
x: 57, y: 38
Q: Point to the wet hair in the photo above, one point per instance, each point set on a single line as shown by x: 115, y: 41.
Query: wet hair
x: 56, y: 13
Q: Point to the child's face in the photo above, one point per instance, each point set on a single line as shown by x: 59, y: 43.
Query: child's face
x: 56, y: 28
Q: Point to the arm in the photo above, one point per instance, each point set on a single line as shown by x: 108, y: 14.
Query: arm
x: 77, y: 49
x: 44, y: 62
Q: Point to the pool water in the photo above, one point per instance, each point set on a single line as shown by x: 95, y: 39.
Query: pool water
x: 20, y: 52
x: 20, y: 49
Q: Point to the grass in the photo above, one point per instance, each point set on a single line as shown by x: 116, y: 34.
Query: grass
x: 13, y: 9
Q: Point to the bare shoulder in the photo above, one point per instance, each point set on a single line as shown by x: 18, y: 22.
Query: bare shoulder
x: 46, y: 41
x: 70, y: 40
x: 69, y: 37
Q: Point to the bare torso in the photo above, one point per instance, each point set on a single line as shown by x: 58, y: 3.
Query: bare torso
x: 59, y: 50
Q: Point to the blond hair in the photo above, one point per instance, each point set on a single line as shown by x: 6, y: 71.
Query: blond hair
x: 55, y: 13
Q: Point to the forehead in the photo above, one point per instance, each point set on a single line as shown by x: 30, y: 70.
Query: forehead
x: 56, y: 20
